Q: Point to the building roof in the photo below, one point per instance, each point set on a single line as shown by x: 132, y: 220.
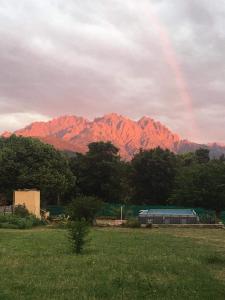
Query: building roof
x: 168, y: 212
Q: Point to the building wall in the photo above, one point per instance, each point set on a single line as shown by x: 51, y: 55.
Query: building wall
x: 31, y: 200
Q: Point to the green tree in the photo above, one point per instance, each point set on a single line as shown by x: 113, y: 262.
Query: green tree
x: 99, y: 172
x: 202, y: 155
x: 84, y: 208
x: 201, y: 185
x: 27, y: 163
x: 126, y: 188
x: 82, y: 212
x: 152, y: 177
x: 78, y: 231
x: 187, y: 159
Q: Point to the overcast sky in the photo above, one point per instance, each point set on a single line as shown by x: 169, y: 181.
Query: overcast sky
x: 162, y: 58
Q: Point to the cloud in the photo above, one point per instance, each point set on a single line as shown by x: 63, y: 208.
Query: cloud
x: 19, y: 120
x: 93, y: 57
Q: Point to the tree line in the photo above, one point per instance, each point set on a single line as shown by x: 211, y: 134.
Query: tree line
x: 154, y: 177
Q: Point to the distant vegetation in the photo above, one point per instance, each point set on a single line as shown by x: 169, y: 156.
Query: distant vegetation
x: 27, y: 163
x: 152, y: 177
x: 20, y: 219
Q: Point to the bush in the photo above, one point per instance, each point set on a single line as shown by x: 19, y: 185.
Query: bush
x: 133, y: 223
x: 78, y: 231
x: 82, y: 212
x: 16, y: 222
x: 84, y: 208
x: 21, y: 211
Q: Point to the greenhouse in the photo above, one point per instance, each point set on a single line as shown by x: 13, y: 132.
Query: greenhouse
x: 168, y: 216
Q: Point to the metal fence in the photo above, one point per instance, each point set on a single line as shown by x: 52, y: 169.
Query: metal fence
x: 110, y: 210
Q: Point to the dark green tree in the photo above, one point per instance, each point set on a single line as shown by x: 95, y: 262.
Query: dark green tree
x: 202, y: 155
x: 27, y: 163
x: 201, y: 185
x: 82, y: 212
x: 153, y: 173
x: 187, y: 159
x: 99, y: 172
x: 78, y: 232
x: 84, y: 208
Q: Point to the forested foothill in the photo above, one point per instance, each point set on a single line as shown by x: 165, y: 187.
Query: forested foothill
x: 152, y: 177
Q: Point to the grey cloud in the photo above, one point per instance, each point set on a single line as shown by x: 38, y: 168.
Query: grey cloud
x: 94, y: 57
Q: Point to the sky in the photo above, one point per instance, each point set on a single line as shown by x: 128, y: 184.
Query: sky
x: 164, y: 59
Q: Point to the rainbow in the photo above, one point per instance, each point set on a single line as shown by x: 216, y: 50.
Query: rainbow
x: 173, y: 62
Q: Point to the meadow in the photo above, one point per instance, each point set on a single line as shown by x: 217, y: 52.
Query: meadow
x: 117, y: 264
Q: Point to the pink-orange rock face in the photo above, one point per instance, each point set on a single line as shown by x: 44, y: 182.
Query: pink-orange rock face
x: 61, y: 127
x: 75, y: 133
x: 6, y: 134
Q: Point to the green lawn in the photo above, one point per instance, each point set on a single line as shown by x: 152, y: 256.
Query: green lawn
x: 118, y: 264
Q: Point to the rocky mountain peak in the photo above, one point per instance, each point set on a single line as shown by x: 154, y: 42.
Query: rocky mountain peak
x: 75, y: 133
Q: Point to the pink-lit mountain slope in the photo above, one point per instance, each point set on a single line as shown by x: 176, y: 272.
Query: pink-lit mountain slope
x: 75, y: 133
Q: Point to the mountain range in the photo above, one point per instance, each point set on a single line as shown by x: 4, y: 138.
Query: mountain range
x: 72, y: 133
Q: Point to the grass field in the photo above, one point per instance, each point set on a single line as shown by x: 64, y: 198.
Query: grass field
x: 118, y: 264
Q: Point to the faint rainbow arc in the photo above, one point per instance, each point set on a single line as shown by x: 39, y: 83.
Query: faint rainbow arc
x: 172, y: 60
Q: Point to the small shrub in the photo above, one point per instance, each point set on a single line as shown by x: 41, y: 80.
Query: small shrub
x: 16, y: 222
x: 133, y: 223
x: 24, y: 223
x: 129, y: 214
x: 21, y: 211
x: 82, y: 212
x: 78, y: 231
x: 36, y: 221
x: 84, y: 208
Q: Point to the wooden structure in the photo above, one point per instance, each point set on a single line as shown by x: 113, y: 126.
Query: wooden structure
x: 30, y: 199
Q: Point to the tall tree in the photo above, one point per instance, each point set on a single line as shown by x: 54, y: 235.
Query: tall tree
x: 98, y: 172
x: 201, y: 185
x: 202, y: 155
x: 153, y: 175
x: 27, y: 163
x: 187, y: 159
